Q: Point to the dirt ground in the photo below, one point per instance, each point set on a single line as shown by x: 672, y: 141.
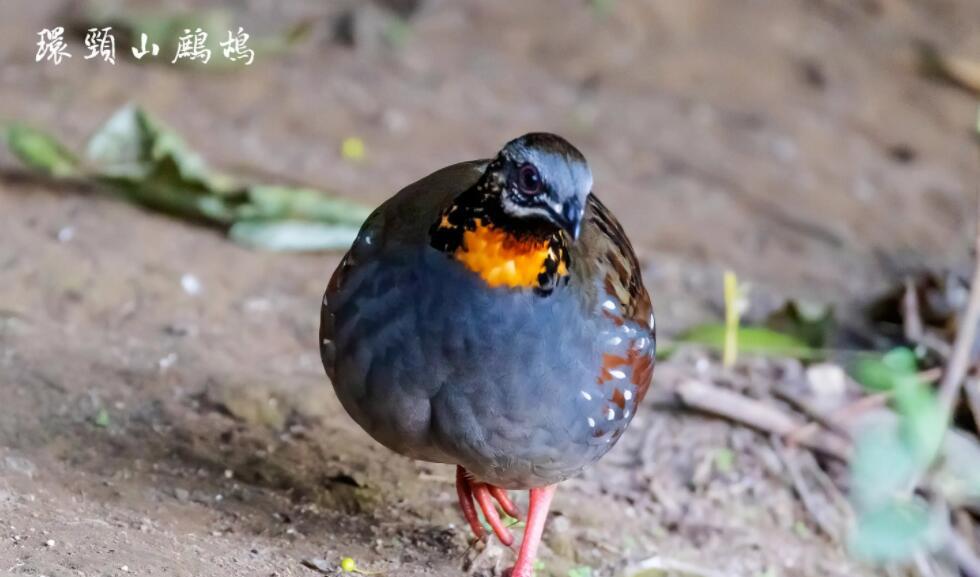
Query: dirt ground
x: 147, y: 430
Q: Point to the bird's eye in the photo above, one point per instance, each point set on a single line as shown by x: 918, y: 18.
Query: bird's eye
x: 529, y: 180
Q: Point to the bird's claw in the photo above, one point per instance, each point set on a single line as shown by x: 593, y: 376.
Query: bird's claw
x: 473, y: 493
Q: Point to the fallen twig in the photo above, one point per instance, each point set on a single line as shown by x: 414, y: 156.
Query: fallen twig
x: 912, y: 324
x: 756, y: 414
x: 923, y: 565
x: 658, y: 563
x: 836, y: 420
x: 964, y: 555
x: 972, y: 389
x: 959, y: 362
x: 808, y: 408
x: 829, y: 487
x: 803, y: 490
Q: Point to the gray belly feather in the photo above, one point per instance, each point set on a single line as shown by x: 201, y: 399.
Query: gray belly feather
x: 436, y: 366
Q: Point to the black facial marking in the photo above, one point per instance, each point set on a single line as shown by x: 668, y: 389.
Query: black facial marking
x: 549, y: 277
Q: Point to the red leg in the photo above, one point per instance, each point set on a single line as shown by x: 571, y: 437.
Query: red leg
x: 536, y: 515
x: 505, y: 503
x: 482, y: 494
x: 465, y: 494
x: 468, y: 490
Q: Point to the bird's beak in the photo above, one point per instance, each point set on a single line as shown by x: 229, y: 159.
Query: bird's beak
x: 567, y: 215
x: 570, y: 217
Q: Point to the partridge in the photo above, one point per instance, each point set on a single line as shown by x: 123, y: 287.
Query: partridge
x: 492, y: 316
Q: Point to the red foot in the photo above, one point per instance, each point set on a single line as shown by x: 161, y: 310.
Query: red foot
x: 469, y: 490
x: 536, y: 515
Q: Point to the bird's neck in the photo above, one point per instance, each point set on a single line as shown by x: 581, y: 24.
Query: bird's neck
x: 504, y: 251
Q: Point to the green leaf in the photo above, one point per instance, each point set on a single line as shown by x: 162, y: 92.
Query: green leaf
x: 176, y: 200
x: 580, y: 571
x: 896, y: 532
x: 101, y: 419
x: 884, y: 374
x: 602, y: 7
x: 147, y: 163
x: 396, y: 32
x: 724, y: 460
x: 132, y: 145
x: 884, y: 465
x: 923, y: 421
x: 293, y: 235
x: 40, y: 151
x: 810, y: 322
x: 121, y: 147
x: 957, y: 474
x: 801, y: 530
x: 281, y: 202
x: 751, y: 340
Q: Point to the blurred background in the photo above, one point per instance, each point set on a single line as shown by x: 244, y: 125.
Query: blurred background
x: 163, y: 410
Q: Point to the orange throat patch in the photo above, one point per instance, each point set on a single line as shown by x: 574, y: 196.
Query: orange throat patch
x: 502, y: 259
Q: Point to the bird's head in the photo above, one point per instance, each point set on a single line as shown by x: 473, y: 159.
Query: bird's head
x: 513, y: 226
x: 541, y: 177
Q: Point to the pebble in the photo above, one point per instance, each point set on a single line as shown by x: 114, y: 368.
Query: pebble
x: 66, y: 234
x: 190, y: 284
x: 167, y: 361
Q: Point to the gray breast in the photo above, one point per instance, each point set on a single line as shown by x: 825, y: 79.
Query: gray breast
x: 437, y: 366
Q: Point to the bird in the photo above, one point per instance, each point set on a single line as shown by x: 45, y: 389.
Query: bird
x: 492, y: 316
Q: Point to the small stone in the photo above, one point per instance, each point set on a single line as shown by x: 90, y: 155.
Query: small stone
x: 190, y: 284
x: 318, y: 564
x: 167, y: 361
x: 182, y: 494
x: 49, y: 543
x: 65, y: 234
x: 827, y: 382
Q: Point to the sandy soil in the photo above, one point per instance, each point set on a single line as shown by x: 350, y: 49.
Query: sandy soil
x: 145, y: 430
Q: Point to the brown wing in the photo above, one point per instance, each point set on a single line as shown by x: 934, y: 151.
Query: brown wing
x: 605, y: 250
x: 608, y: 269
